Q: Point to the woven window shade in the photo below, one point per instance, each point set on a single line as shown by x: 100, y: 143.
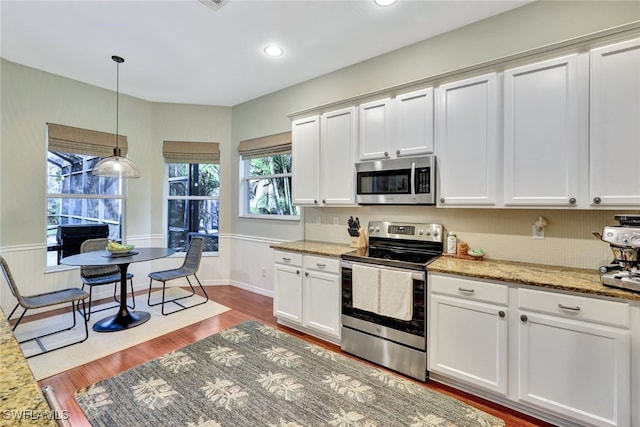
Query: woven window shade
x: 67, y: 139
x: 191, y: 152
x: 271, y: 145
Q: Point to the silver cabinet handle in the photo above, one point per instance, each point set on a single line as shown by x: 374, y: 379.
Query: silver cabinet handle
x: 572, y: 201
x: 386, y: 154
x: 441, y: 199
x: 285, y: 259
x: 565, y: 307
x: 597, y: 200
x: 466, y: 291
x: 320, y: 265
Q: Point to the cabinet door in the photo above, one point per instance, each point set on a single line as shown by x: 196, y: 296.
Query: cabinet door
x: 413, y: 124
x: 375, y: 129
x: 467, y: 141
x: 541, y: 133
x: 476, y: 355
x: 338, y: 156
x: 322, y: 302
x: 576, y: 369
x: 305, y: 153
x: 614, y: 132
x: 287, y: 301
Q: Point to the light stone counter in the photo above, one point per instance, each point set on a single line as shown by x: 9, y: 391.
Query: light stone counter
x: 546, y: 276
x: 21, y: 401
x: 314, y: 248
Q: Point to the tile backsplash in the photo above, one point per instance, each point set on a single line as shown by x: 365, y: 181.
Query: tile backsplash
x: 505, y: 234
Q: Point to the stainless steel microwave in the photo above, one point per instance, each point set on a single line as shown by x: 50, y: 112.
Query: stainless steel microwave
x: 405, y: 181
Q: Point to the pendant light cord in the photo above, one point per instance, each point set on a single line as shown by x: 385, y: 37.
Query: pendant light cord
x: 118, y: 61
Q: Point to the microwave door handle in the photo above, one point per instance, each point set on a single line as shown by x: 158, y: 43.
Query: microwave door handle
x: 413, y: 181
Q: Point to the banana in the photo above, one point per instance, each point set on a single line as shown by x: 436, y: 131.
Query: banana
x: 115, y: 246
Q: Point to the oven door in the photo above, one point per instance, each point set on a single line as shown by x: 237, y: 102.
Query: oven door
x: 410, y: 333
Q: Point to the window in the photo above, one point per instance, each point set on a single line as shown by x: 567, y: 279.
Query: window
x: 74, y: 195
x: 267, y: 186
x: 266, y: 177
x: 193, y: 205
x: 193, y: 193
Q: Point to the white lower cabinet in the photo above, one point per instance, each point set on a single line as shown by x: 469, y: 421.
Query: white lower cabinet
x: 570, y: 355
x: 307, y: 294
x: 574, y: 357
x: 469, y: 318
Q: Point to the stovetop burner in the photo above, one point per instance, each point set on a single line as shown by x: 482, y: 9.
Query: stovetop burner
x: 409, y: 246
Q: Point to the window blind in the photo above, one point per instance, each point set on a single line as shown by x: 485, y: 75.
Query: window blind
x: 272, y: 145
x: 67, y: 139
x: 191, y: 152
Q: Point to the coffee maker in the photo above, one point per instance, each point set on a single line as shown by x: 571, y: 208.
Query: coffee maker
x: 624, y: 240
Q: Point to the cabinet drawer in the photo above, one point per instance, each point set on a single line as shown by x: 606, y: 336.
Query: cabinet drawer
x: 470, y: 289
x: 289, y: 258
x: 575, y: 307
x: 330, y: 265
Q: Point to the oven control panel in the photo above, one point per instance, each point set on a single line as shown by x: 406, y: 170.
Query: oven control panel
x: 409, y: 231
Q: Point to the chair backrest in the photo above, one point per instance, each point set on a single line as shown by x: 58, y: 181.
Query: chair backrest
x: 194, y: 254
x: 9, y: 279
x: 93, y: 271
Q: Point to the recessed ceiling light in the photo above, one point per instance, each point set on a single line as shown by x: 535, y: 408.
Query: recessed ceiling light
x: 273, y: 50
x: 384, y: 2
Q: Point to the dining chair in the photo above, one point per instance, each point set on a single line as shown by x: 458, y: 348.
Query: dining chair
x: 48, y: 299
x: 189, y: 268
x: 102, y: 275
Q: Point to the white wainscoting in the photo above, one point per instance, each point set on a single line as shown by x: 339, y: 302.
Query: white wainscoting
x: 252, y: 264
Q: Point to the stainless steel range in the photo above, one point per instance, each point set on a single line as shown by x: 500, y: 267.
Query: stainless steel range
x: 384, y: 286
x: 624, y: 239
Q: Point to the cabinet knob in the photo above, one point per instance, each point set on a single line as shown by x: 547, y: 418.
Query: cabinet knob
x: 324, y: 201
x: 397, y: 152
x: 306, y: 274
x: 386, y: 154
x: 524, y: 318
x: 298, y: 272
x: 315, y: 202
x: 572, y: 201
x: 501, y: 314
x: 441, y: 199
x: 597, y: 200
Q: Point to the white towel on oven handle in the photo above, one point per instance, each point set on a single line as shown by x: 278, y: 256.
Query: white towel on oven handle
x: 396, y: 294
x: 364, y: 287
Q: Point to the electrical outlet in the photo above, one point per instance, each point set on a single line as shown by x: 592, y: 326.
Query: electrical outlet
x: 336, y: 220
x: 538, y: 232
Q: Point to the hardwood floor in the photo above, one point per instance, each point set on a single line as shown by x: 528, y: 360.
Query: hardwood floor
x: 244, y: 305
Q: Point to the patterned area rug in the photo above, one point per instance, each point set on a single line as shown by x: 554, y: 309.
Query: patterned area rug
x: 254, y: 375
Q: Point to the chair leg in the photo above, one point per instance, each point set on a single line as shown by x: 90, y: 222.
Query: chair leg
x: 175, y: 300
x: 38, y: 338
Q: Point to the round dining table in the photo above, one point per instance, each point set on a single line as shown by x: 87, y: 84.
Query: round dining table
x: 124, y: 319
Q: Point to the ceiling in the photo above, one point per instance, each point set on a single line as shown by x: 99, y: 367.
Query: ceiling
x: 182, y: 51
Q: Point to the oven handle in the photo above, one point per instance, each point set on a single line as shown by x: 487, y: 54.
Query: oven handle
x: 420, y: 276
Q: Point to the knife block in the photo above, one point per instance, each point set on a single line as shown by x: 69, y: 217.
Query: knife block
x: 361, y: 241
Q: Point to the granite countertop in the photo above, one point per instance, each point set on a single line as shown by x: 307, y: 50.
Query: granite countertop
x: 21, y: 399
x: 579, y: 280
x: 314, y: 248
x: 546, y: 276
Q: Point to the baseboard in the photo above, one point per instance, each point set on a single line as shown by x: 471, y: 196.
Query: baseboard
x: 251, y: 288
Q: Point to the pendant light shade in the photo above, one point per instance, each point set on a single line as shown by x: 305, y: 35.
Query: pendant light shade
x: 116, y: 165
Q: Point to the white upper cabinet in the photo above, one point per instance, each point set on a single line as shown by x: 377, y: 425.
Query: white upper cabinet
x: 542, y: 135
x: 324, y: 154
x: 305, y: 153
x: 375, y: 129
x: 413, y: 123
x: 398, y: 127
x: 338, y: 156
x: 615, y: 125
x: 467, y: 141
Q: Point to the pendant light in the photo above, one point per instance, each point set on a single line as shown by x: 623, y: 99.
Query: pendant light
x: 116, y: 165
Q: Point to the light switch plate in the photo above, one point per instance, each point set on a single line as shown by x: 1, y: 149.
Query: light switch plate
x: 538, y: 232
